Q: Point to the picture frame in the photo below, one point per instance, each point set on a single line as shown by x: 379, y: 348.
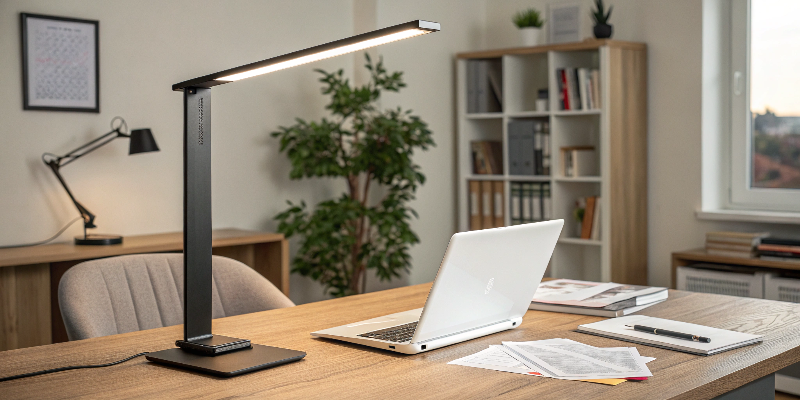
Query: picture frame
x: 564, y: 23
x: 60, y: 63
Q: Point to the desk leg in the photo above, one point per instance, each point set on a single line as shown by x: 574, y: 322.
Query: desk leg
x: 763, y: 388
x: 24, y: 306
x: 271, y: 260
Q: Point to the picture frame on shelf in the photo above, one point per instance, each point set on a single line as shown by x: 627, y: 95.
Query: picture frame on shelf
x: 60, y: 63
x: 564, y: 23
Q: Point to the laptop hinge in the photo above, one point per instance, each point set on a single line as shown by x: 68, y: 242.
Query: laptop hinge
x: 460, y: 332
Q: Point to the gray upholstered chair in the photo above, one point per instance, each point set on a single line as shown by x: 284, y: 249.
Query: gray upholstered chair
x: 145, y: 291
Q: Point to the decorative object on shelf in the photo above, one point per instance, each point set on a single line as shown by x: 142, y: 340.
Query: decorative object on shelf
x: 60, y: 63
x: 565, y: 23
x: 602, y: 29
x: 578, y: 161
x: 530, y: 24
x: 342, y: 238
x: 141, y: 141
x: 578, y: 213
x: 541, y: 100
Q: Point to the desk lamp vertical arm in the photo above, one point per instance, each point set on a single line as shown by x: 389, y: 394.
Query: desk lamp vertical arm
x: 197, y: 213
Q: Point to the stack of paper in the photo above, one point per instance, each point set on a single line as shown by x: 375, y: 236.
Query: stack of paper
x: 563, y: 359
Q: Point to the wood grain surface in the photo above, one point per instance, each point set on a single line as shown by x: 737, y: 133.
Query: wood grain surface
x: 335, y: 370
x: 172, y: 241
x: 588, y: 44
x: 628, y: 164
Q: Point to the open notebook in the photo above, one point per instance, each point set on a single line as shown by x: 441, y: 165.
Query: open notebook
x: 721, y: 339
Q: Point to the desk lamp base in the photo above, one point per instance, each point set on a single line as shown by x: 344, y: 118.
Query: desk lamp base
x: 97, y: 240
x: 230, y: 363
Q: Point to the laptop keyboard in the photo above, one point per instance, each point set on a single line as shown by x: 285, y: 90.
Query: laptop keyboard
x: 398, y: 334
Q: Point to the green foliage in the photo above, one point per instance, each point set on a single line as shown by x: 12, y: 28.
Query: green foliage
x: 344, y: 237
x: 601, y: 17
x: 528, y: 18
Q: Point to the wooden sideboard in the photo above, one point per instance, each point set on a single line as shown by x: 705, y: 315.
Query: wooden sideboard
x: 689, y: 257
x: 29, y: 276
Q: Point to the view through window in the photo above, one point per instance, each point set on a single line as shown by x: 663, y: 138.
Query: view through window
x: 775, y: 94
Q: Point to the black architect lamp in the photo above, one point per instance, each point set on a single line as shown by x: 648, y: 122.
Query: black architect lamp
x: 200, y: 350
x: 142, y: 141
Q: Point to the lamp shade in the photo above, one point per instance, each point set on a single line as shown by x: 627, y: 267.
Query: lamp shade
x: 142, y: 141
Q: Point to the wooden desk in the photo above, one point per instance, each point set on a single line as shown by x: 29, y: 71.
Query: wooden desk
x: 338, y: 370
x: 29, y: 276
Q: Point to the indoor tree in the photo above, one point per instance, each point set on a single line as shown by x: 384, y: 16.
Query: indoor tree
x: 342, y: 238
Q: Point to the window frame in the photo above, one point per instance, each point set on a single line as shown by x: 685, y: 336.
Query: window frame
x: 741, y: 196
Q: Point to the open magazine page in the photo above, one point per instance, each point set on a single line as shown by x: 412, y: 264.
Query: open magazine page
x: 588, y: 294
x: 561, y: 290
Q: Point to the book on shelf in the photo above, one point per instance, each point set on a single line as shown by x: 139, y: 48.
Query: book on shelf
x: 487, y: 157
x: 498, y: 202
x: 487, y: 211
x: 777, y: 249
x: 578, y: 88
x: 475, y: 209
x: 594, y: 298
x: 528, y: 147
x: 484, y: 86
x: 734, y: 244
x: 590, y: 224
x: 486, y: 200
x: 579, y: 161
x: 530, y: 202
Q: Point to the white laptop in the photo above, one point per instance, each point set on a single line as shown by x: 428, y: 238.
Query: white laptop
x: 484, y: 285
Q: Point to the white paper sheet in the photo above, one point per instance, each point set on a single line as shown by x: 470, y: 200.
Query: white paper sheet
x: 495, y: 358
x: 569, y: 359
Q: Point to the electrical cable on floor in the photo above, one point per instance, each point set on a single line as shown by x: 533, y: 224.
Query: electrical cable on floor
x: 44, y: 241
x: 50, y: 371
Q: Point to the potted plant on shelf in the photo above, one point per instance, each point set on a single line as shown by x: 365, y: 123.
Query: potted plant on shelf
x: 530, y: 24
x: 344, y: 237
x: 602, y: 29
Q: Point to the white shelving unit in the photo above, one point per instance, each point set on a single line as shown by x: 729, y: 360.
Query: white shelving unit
x: 618, y: 131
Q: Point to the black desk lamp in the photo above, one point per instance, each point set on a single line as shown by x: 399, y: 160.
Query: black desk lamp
x: 142, y: 141
x: 200, y: 350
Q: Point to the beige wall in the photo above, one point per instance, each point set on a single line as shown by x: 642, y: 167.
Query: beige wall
x: 146, y: 46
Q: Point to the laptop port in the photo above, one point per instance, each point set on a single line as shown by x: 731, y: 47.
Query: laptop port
x: 513, y: 324
x: 424, y: 346
x: 391, y: 347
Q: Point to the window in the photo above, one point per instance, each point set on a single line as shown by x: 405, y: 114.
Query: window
x: 765, y: 105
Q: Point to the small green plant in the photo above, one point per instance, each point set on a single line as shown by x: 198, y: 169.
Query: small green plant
x: 528, y: 18
x: 344, y: 237
x: 601, y: 17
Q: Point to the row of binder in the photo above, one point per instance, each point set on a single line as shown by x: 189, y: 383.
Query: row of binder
x: 486, y: 200
x: 530, y: 202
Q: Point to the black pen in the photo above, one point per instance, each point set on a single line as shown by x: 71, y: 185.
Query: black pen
x: 664, y: 332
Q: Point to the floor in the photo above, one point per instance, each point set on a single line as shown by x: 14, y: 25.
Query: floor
x: 785, y: 396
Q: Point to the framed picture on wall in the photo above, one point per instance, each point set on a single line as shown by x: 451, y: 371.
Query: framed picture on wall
x: 565, y: 23
x: 60, y: 63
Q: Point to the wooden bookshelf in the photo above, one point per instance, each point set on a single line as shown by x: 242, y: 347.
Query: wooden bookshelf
x: 618, y: 130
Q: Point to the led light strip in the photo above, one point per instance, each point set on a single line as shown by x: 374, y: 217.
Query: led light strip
x: 325, y: 54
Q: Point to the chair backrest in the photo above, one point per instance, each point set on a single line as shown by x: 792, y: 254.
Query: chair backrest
x: 145, y: 291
